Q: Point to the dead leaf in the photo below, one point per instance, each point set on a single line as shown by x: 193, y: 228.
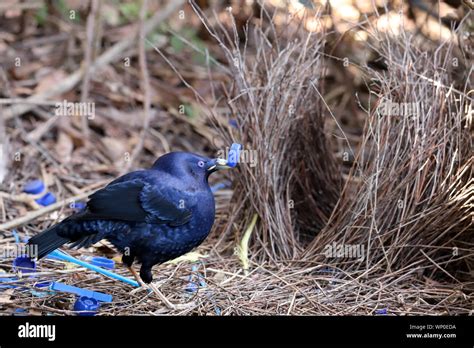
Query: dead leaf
x: 115, y: 149
x: 5, y: 296
x: 51, y: 79
x: 64, y: 147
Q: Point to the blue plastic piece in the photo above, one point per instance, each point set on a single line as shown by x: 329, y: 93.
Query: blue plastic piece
x: 191, y: 287
x: 21, y: 264
x: 41, y: 294
x: 99, y: 296
x: 34, y: 187
x: 46, y: 200
x: 233, y: 123
x: 24, y: 264
x: 86, y: 306
x: 220, y: 186
x: 20, y: 312
x: 103, y: 262
x: 43, y: 284
x: 64, y: 257
x: 7, y: 280
x: 381, y: 311
x: 16, y: 236
x: 234, y: 154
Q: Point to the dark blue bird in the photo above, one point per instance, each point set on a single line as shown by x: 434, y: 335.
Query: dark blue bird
x: 152, y: 215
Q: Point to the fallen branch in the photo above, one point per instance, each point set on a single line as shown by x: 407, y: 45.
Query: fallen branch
x: 145, y: 85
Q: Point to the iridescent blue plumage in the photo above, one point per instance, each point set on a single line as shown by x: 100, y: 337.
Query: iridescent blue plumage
x: 150, y: 215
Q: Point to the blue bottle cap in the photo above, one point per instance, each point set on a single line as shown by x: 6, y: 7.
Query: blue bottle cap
x: 46, y: 200
x: 24, y: 264
x: 234, y: 154
x: 86, y: 306
x: 103, y: 262
x: 34, y: 187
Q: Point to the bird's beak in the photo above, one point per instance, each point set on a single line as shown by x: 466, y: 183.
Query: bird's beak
x: 217, y: 164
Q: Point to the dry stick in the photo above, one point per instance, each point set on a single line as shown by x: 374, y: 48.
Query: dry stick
x: 87, y: 62
x: 107, y: 57
x: 145, y: 84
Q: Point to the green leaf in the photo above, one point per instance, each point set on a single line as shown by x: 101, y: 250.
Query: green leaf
x: 130, y: 10
x: 41, y: 15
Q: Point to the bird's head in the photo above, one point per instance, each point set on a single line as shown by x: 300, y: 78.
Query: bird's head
x: 185, y: 164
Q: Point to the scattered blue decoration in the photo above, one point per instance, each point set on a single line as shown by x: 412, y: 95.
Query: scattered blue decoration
x: 86, y: 306
x: 195, y: 281
x: 233, y: 123
x: 234, y: 154
x: 41, y: 294
x: 381, y: 311
x: 16, y: 236
x: 24, y: 264
x: 195, y: 284
x: 98, y: 296
x: 21, y: 264
x: 191, y: 287
x: 103, y: 262
x: 34, y: 187
x: 220, y: 186
x: 46, y: 200
x: 20, y: 312
x: 65, y: 257
x: 43, y: 284
x: 7, y: 280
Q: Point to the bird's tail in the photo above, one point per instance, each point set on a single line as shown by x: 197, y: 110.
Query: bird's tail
x: 47, y: 241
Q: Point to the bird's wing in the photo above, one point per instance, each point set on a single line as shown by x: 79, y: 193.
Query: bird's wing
x: 141, y: 201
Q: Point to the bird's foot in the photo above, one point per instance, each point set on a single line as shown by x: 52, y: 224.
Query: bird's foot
x: 155, y: 288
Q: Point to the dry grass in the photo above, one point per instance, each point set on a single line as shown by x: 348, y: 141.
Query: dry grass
x: 294, y: 181
x: 407, y: 199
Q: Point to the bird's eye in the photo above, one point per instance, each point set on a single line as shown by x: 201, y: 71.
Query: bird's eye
x: 201, y: 164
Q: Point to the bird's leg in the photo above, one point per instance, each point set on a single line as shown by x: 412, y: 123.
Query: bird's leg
x: 128, y: 261
x: 135, y: 275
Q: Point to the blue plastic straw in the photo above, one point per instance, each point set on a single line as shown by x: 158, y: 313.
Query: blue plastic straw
x: 99, y: 296
x: 61, y: 256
